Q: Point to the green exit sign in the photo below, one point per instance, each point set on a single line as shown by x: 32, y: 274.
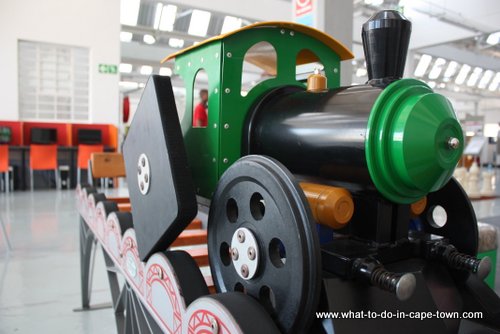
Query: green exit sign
x: 106, y: 68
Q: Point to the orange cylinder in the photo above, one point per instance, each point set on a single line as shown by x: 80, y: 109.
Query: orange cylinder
x: 330, y: 206
x: 418, y: 207
x: 316, y: 82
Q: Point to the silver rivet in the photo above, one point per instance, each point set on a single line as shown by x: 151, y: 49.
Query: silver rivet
x: 215, y: 125
x: 214, y: 160
x: 216, y: 90
x: 227, y: 90
x: 234, y: 254
x: 177, y: 68
x: 225, y: 160
x: 216, y: 55
x: 292, y: 33
x: 160, y: 273
x: 226, y: 126
x: 215, y: 326
x: 202, y: 59
x: 244, y: 271
x: 241, y: 236
x: 229, y: 54
x: 453, y: 143
x: 335, y: 70
x: 251, y: 253
x: 189, y: 64
x: 282, y: 31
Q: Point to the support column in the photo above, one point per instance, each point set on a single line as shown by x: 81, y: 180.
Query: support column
x: 334, y: 17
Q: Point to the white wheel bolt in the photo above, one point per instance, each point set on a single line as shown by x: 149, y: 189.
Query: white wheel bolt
x: 241, y: 236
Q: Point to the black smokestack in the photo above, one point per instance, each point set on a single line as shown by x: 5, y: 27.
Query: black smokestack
x: 386, y: 36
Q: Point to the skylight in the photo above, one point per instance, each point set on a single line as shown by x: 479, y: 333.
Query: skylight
x: 450, y: 70
x: 474, y: 76
x: 494, y: 84
x: 231, y: 23
x: 462, y: 75
x: 485, y: 79
x: 129, y: 11
x: 436, y: 69
x: 422, y: 66
x: 493, y: 39
x: 158, y: 12
x: 168, y: 15
x: 198, y: 25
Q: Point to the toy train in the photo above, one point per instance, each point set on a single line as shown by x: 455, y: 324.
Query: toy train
x: 319, y: 197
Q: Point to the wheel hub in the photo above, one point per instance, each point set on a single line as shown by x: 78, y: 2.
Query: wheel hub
x: 245, y: 253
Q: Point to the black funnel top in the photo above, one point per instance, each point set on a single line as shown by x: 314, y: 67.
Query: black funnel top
x: 386, y: 36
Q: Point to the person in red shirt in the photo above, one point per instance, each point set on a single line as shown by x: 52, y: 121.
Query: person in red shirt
x: 200, y: 114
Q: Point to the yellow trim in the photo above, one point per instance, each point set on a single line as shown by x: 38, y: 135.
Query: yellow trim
x: 340, y: 49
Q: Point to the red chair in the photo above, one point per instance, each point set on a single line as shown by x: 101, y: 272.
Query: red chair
x: 84, y: 152
x: 5, y: 168
x: 44, y: 157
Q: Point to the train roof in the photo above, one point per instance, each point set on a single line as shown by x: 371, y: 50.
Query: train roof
x: 336, y: 46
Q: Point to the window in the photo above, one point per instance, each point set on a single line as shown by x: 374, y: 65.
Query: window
x: 259, y: 64
x: 307, y: 62
x: 53, y: 82
x: 200, y: 100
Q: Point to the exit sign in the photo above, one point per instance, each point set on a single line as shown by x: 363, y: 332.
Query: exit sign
x: 106, y: 68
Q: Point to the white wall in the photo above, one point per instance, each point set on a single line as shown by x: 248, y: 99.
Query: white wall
x: 87, y: 23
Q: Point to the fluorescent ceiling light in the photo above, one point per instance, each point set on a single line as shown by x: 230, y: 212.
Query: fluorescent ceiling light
x: 231, y: 23
x: 462, y: 75
x: 431, y: 84
x: 485, y: 79
x: 125, y: 36
x: 494, y: 84
x: 436, y: 69
x: 198, y: 25
x: 474, y: 76
x: 129, y: 11
x: 125, y: 68
x: 158, y: 12
x: 149, y: 39
x: 128, y: 84
x: 176, y: 42
x: 493, y: 39
x: 470, y: 133
x: 361, y: 72
x: 424, y: 62
x: 168, y: 15
x: 450, y: 70
x: 146, y: 70
x: 165, y: 71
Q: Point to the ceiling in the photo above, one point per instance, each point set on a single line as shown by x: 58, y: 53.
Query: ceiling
x: 444, y: 31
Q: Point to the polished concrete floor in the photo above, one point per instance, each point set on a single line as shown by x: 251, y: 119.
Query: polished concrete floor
x: 39, y: 277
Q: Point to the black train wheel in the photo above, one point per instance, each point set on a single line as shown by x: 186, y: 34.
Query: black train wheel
x: 262, y: 241
x: 460, y: 226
